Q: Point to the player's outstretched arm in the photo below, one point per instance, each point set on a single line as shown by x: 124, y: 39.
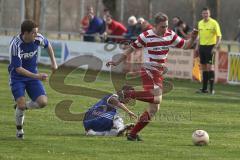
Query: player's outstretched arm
x: 190, y: 42
x: 24, y: 72
x: 115, y: 102
x: 52, y: 57
x: 121, y: 59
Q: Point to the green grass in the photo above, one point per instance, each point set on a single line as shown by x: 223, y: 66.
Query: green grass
x: 167, y: 137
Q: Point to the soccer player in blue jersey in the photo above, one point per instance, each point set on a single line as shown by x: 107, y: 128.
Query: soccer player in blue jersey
x: 23, y: 72
x: 102, y: 118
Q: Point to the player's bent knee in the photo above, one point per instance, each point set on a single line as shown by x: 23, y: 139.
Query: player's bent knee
x: 153, y: 109
x: 157, y: 91
x: 21, y: 107
x: 157, y: 99
x: 43, y: 103
x: 21, y: 103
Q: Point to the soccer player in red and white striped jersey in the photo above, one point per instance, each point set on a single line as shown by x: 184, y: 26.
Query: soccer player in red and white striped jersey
x: 157, y: 42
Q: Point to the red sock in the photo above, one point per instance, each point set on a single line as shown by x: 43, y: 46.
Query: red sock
x: 142, y: 122
x: 145, y: 96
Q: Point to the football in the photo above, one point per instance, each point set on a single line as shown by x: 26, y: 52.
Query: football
x: 200, y: 138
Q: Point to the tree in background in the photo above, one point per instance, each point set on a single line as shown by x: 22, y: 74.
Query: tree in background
x: 214, y: 6
x: 37, y: 11
x: 33, y: 10
x: 28, y: 9
x: 111, y: 5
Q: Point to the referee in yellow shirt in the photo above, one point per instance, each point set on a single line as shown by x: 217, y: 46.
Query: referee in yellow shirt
x: 209, y: 40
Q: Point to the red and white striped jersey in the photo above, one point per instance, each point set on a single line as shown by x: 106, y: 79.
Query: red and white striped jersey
x: 158, y: 46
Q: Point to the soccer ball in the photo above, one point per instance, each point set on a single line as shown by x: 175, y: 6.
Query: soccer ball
x: 200, y: 138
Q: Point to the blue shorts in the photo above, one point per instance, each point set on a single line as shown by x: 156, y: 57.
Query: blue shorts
x: 98, y: 124
x: 34, y: 89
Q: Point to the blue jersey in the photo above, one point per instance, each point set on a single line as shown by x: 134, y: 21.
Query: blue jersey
x: 100, y: 116
x: 24, y: 55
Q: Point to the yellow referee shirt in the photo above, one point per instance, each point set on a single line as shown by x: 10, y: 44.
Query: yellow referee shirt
x: 208, y: 32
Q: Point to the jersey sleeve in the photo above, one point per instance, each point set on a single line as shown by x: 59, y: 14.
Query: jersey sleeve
x: 218, y: 30
x: 112, y: 96
x: 112, y: 27
x: 177, y: 41
x: 15, y: 55
x: 42, y: 41
x: 140, y: 42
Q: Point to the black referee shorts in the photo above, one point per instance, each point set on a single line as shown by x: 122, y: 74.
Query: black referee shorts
x: 206, y: 56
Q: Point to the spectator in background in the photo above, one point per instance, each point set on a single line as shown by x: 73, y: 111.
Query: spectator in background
x: 106, y: 12
x: 96, y: 26
x: 183, y: 30
x: 175, y: 22
x: 85, y: 21
x: 144, y: 25
x: 114, y: 28
x: 132, y: 28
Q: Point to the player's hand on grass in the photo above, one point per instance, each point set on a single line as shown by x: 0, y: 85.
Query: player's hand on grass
x: 132, y: 115
x: 42, y: 76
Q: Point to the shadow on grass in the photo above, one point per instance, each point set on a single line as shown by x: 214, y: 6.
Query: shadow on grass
x: 66, y: 134
x: 11, y: 139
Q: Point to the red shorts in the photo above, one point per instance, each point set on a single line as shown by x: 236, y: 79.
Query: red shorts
x: 151, y: 78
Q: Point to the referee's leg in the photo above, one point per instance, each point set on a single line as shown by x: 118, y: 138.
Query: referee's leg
x: 203, y: 60
x: 210, y: 68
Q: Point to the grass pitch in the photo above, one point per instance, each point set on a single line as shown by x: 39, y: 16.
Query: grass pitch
x: 167, y: 137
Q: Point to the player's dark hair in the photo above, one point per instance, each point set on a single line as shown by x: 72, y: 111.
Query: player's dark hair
x: 180, y: 22
x: 160, y: 17
x: 179, y: 18
x: 106, y: 10
x: 205, y: 9
x: 127, y: 87
x: 109, y: 16
x: 120, y: 92
x: 27, y: 26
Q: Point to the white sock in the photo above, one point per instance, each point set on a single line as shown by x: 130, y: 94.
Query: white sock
x: 112, y: 132
x: 94, y: 133
x: 118, y: 123
x: 32, y: 105
x: 19, y: 117
x: 20, y: 131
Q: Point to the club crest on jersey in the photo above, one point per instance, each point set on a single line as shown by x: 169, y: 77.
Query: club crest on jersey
x: 28, y: 55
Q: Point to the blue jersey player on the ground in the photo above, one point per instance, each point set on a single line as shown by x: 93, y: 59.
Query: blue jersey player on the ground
x: 23, y: 72
x: 102, y: 118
